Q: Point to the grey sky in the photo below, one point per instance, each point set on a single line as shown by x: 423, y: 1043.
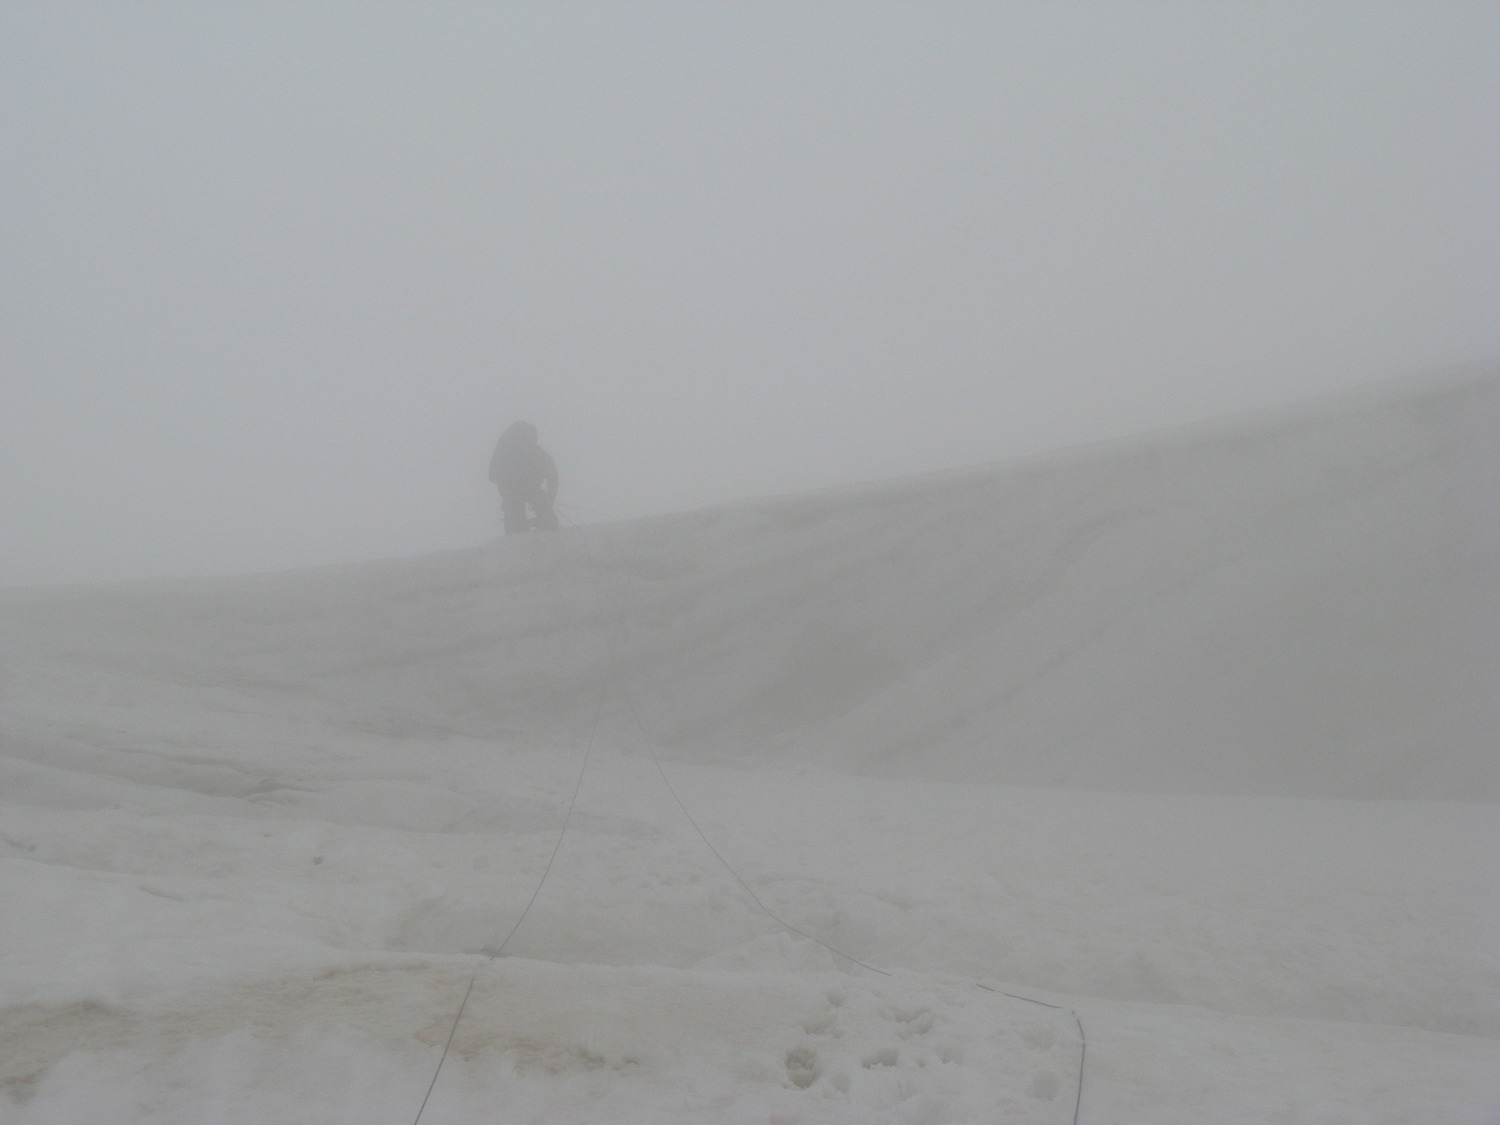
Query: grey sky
x: 276, y: 276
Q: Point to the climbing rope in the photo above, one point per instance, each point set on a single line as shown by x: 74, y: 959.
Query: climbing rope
x: 457, y: 1016
x: 738, y: 878
x: 546, y: 871
x: 651, y: 750
x: 500, y: 950
x: 1083, y: 1044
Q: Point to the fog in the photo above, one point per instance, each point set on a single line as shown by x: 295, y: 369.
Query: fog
x: 276, y: 276
x: 1151, y: 783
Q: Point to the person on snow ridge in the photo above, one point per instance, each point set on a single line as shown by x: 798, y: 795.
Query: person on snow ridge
x: 525, y: 474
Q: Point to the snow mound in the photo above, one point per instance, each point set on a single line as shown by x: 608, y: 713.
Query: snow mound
x: 1303, y: 603
x: 1104, y: 724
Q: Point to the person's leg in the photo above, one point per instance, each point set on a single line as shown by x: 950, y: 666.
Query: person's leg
x: 513, y: 506
x: 546, y: 516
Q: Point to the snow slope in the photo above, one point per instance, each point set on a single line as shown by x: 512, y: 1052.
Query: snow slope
x: 1190, y: 737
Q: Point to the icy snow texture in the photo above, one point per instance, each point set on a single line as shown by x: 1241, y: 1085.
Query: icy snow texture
x: 1193, y: 734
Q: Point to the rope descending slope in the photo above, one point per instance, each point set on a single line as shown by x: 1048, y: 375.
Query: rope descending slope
x: 610, y: 676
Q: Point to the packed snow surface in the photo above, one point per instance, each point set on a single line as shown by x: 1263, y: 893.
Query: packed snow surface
x: 1152, y: 782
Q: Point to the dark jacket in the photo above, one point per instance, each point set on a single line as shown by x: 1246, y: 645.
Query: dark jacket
x: 522, y: 466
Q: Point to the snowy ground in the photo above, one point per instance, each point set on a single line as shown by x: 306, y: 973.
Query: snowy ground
x: 1182, y: 747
